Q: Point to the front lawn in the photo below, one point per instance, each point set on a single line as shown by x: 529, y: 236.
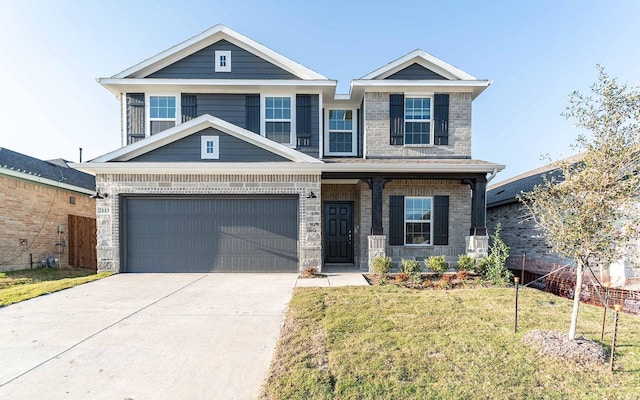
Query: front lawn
x: 16, y: 286
x: 394, y: 343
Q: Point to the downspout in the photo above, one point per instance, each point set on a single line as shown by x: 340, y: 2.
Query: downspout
x: 493, y: 175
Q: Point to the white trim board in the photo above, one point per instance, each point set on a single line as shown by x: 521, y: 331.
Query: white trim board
x: 196, y: 125
x: 424, y: 59
x: 207, y: 38
x: 45, y: 181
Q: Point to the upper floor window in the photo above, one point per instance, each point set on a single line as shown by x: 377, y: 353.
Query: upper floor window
x: 341, y: 133
x: 223, y: 61
x: 278, y: 119
x: 162, y: 113
x: 417, y: 220
x: 417, y: 120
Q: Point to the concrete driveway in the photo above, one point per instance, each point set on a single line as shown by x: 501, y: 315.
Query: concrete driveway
x: 145, y: 336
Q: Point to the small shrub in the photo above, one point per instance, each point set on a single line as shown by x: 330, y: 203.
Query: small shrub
x: 437, y: 265
x: 494, y: 267
x: 382, y: 265
x: 411, y: 267
x: 466, y: 263
x: 401, y: 277
x: 482, y: 265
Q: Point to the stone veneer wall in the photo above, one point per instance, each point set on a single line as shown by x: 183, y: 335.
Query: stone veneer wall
x: 309, y: 239
x: 377, y: 129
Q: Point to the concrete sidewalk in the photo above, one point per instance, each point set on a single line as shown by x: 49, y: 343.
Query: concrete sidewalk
x: 145, y: 336
x: 334, y: 280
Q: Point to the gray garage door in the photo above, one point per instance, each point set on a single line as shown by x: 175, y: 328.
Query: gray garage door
x: 210, y: 234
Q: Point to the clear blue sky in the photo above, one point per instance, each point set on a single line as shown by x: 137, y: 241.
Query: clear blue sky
x: 536, y: 53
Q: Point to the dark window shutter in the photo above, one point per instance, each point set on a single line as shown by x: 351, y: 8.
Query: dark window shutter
x: 189, y: 108
x: 135, y: 117
x: 396, y: 220
x: 303, y: 120
x: 252, y: 109
x: 441, y: 118
x: 396, y: 119
x: 441, y: 220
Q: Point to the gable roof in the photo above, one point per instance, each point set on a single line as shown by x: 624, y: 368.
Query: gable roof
x: 424, y: 59
x: 196, y: 125
x: 207, y: 38
x: 55, y: 173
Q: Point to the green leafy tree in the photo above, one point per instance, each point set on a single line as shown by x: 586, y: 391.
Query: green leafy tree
x: 587, y: 209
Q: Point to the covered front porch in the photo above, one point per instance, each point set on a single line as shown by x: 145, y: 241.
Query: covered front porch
x: 366, y: 214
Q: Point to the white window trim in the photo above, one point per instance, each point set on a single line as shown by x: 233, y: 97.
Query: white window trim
x: 147, y: 110
x: 292, y: 120
x: 404, y: 227
x: 354, y: 132
x: 216, y: 148
x: 431, y: 123
x: 227, y: 56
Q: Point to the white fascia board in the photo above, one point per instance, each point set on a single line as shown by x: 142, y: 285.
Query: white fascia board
x: 124, y: 85
x: 207, y: 38
x: 412, y: 168
x: 426, y: 60
x: 475, y: 87
x: 212, y: 168
x: 195, y: 125
x: 45, y: 181
x: 266, y: 168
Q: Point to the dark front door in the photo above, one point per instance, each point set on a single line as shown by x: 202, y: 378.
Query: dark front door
x: 338, y: 232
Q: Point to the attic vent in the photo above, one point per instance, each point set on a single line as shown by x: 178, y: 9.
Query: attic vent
x: 223, y: 61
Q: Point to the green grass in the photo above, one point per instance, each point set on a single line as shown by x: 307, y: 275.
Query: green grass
x: 392, y: 343
x: 16, y: 286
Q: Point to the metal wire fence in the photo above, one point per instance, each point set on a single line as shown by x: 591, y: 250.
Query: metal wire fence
x: 561, y: 281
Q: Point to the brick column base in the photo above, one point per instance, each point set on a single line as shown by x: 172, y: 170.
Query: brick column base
x: 377, y: 245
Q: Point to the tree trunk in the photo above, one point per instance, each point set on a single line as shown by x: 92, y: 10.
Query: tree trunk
x: 576, y: 300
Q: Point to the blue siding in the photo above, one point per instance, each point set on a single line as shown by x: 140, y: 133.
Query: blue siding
x: 229, y: 107
x: 415, y: 72
x: 314, y: 149
x: 244, y: 65
x: 188, y: 149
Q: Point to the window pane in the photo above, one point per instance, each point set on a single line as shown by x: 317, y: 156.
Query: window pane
x: 278, y: 131
x: 418, y: 233
x: 340, y: 142
x: 162, y: 107
x: 278, y: 108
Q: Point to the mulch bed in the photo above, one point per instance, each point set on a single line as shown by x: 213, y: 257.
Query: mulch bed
x: 558, y: 346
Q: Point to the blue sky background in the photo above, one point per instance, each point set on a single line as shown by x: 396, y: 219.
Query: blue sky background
x: 535, y: 52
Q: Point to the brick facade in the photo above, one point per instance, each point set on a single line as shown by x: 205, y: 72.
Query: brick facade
x: 360, y: 194
x: 377, y: 129
x: 309, y: 240
x: 520, y: 235
x: 33, y: 212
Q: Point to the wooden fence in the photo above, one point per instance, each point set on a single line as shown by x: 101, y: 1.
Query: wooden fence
x: 82, y: 242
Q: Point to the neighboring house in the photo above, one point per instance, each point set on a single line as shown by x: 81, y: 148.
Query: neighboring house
x: 239, y: 159
x: 521, y: 235
x: 37, y: 201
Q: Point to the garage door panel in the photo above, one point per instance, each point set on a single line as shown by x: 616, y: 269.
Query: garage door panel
x: 184, y: 234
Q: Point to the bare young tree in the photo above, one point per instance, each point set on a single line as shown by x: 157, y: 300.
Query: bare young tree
x: 587, y: 209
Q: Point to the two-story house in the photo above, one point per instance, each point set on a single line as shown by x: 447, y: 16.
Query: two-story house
x: 236, y: 158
